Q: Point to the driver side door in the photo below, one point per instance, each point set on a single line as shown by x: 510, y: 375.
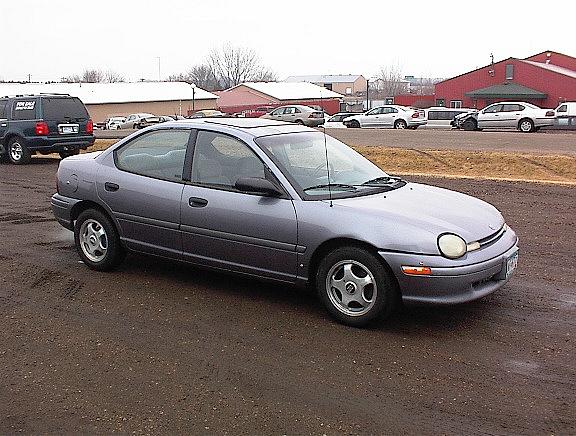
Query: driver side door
x: 490, y: 117
x: 225, y: 228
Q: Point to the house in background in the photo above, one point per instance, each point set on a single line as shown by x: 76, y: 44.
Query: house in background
x: 345, y: 84
x: 544, y: 79
x: 104, y: 100
x: 252, y: 95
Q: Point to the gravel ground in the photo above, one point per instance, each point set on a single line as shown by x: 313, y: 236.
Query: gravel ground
x: 157, y: 347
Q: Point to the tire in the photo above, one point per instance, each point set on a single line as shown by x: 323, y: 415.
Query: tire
x: 18, y: 153
x: 413, y: 127
x: 299, y: 122
x: 354, y: 124
x: 97, y: 241
x: 526, y: 125
x: 65, y: 154
x: 366, y: 291
x: 400, y: 124
x: 469, y: 125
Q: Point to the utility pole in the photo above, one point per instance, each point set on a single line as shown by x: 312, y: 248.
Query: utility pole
x: 29, y: 78
x: 158, y: 57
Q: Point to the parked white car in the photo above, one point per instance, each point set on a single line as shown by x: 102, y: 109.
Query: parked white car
x: 525, y: 117
x: 132, y: 121
x: 440, y: 117
x: 335, y: 121
x: 389, y: 116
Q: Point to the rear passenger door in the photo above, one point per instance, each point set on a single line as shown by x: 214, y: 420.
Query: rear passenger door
x: 225, y: 228
x: 511, y: 114
x: 143, y: 189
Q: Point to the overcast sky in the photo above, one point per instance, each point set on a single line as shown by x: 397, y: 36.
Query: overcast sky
x: 55, y: 38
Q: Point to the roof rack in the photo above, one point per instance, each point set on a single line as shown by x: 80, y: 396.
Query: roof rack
x: 35, y: 95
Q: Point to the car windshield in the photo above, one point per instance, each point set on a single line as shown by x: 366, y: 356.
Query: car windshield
x: 302, y: 158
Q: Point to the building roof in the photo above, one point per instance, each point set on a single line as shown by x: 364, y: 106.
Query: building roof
x: 507, y: 90
x: 283, y: 91
x: 123, y: 92
x: 325, y: 78
x: 552, y: 67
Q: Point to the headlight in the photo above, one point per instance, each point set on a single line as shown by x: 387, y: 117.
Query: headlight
x: 452, y: 246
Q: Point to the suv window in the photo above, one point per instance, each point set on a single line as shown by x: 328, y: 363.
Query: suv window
x: 563, y: 108
x: 3, y: 109
x: 159, y: 154
x: 24, y: 110
x: 220, y: 160
x: 58, y: 108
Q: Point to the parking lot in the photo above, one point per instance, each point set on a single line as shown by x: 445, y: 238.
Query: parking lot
x: 165, y: 348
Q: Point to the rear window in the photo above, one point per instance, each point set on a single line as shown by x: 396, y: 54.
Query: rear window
x: 24, y: 110
x: 58, y: 108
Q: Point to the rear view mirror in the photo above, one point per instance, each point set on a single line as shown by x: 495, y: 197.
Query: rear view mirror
x: 257, y: 185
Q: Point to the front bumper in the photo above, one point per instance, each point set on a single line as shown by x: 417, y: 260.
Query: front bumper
x: 453, y: 284
x: 62, y: 209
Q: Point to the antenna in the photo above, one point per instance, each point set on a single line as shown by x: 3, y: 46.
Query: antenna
x: 326, y: 153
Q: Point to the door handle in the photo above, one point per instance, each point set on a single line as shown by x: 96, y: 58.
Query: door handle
x: 197, y: 202
x: 111, y: 187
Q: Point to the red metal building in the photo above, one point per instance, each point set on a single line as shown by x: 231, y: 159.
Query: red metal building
x: 545, y: 79
x: 250, y: 96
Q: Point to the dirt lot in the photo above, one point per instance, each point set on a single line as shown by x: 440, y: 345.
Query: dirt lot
x: 162, y: 348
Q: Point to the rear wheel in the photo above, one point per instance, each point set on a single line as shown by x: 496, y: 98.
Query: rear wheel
x: 97, y: 241
x: 355, y: 287
x: 526, y: 125
x: 18, y: 153
x: 354, y: 124
x: 469, y: 124
x: 65, y: 154
x: 299, y: 122
x: 400, y: 124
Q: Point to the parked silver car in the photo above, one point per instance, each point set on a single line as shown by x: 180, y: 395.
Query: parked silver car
x: 132, y: 120
x: 522, y: 116
x: 288, y: 203
x: 298, y: 114
x: 389, y: 116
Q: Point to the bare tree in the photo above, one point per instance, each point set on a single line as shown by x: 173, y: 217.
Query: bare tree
x: 234, y: 65
x: 112, y: 77
x: 92, y: 76
x: 200, y: 75
x: 390, y: 82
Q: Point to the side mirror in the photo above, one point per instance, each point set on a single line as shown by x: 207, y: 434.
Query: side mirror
x: 257, y: 185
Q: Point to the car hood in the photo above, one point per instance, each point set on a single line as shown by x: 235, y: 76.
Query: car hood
x: 435, y: 210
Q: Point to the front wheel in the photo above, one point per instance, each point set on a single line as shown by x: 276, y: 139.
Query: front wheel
x: 400, y: 124
x: 355, y: 287
x: 469, y: 125
x: 97, y: 241
x: 354, y: 124
x: 18, y: 153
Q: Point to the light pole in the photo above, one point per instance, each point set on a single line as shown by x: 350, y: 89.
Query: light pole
x: 158, y: 57
x: 193, y: 97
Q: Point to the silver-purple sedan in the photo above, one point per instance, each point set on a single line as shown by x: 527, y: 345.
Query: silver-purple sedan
x: 288, y: 203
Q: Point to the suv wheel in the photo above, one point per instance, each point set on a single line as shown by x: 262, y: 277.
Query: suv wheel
x: 18, y: 153
x: 97, y: 241
x: 355, y: 287
x: 65, y: 154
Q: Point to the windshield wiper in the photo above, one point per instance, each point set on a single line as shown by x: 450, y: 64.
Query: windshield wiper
x: 387, y: 180
x: 331, y: 185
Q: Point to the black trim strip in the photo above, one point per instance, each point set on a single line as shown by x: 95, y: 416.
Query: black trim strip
x: 149, y: 221
x: 239, y: 238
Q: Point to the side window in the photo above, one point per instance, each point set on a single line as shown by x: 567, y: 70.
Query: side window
x: 24, y: 110
x: 297, y: 111
x: 392, y: 110
x: 220, y: 160
x: 278, y: 112
x: 434, y: 115
x: 159, y: 154
x: 374, y: 111
x: 563, y: 108
x: 3, y: 109
x: 493, y: 109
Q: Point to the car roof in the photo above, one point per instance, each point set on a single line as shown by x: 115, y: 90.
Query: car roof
x: 254, y: 126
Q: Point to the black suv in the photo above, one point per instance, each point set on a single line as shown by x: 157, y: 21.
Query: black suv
x: 47, y: 123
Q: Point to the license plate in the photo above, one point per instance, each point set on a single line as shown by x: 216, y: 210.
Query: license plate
x: 68, y: 129
x: 511, y: 264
